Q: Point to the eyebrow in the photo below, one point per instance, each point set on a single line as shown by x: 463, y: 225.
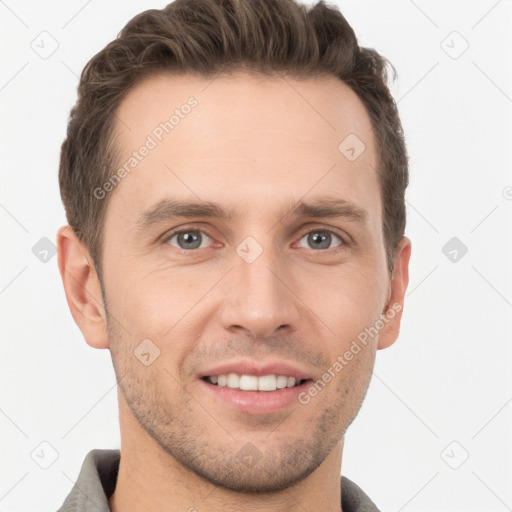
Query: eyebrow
x: 170, y: 209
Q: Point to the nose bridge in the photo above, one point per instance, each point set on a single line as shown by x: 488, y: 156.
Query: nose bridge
x: 257, y: 298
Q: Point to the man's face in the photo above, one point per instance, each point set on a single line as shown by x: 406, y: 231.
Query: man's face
x: 268, y: 285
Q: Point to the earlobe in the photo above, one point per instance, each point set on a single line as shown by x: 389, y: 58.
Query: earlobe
x: 82, y: 287
x: 396, y: 295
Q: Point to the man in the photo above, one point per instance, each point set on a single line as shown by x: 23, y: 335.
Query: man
x: 233, y: 177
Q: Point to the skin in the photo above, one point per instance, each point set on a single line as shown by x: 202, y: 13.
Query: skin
x: 259, y: 145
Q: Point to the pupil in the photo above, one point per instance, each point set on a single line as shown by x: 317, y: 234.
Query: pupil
x: 315, y: 237
x: 190, y: 238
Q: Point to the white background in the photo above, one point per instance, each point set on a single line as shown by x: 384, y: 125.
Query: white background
x: 447, y: 378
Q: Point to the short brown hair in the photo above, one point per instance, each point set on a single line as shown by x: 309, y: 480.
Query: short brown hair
x: 209, y: 37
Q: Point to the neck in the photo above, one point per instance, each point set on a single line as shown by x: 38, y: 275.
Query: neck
x: 150, y: 479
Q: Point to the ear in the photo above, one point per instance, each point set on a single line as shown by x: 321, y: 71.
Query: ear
x: 82, y: 287
x: 396, y: 294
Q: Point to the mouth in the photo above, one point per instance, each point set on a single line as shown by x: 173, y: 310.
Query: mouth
x: 254, y: 395
x: 255, y: 387
x: 264, y: 383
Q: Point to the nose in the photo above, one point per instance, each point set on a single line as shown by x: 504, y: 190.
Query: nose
x: 258, y: 297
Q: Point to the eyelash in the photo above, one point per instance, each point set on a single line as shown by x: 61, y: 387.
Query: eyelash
x: 337, y: 249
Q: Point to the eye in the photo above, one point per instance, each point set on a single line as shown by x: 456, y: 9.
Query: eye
x: 188, y: 239
x: 321, y: 239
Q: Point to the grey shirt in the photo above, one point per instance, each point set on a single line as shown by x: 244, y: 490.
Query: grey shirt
x: 98, y: 476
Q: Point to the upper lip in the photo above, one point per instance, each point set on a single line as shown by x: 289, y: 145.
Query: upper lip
x: 259, y: 369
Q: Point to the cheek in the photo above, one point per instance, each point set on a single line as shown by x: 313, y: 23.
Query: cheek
x: 159, y: 302
x: 344, y: 301
x: 156, y: 304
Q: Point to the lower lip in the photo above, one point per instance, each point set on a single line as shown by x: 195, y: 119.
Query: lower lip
x: 256, y: 402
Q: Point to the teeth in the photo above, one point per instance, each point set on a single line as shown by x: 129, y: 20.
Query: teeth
x: 233, y: 380
x: 248, y: 383
x: 253, y: 383
x: 282, y: 381
x: 267, y: 383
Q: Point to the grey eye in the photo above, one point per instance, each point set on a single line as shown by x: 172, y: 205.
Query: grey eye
x: 189, y: 239
x: 321, y: 239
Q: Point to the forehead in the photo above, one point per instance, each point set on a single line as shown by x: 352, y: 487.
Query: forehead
x: 243, y: 140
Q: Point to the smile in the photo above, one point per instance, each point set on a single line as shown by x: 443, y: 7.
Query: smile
x: 253, y: 382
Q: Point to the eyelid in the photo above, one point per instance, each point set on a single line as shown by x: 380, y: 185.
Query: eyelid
x: 336, y: 250
x: 346, y: 239
x: 185, y: 229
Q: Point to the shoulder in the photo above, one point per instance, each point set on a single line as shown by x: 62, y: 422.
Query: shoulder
x: 354, y: 499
